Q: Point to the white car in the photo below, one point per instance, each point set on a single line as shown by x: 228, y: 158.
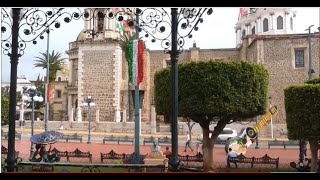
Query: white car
x: 225, y: 135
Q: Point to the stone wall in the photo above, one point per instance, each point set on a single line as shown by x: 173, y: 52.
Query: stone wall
x: 279, y: 60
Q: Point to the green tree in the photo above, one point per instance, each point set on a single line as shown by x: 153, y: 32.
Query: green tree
x: 41, y: 87
x: 56, y: 63
x: 302, y: 104
x: 214, y: 91
x: 5, y: 99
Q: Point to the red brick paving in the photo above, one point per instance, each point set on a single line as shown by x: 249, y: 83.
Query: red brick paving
x: 219, y: 156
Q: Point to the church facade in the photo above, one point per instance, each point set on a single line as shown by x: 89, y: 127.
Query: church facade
x: 98, y: 67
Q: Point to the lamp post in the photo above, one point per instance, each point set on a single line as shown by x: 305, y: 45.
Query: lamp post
x: 88, y: 101
x: 257, y: 139
x: 46, y: 118
x: 310, y: 70
x: 34, y: 96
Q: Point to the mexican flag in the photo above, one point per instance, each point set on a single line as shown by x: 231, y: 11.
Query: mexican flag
x: 135, y: 62
x: 120, y: 26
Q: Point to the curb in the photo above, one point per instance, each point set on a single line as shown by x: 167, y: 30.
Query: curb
x: 68, y: 132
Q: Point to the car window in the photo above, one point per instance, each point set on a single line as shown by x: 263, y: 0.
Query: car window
x: 227, y: 131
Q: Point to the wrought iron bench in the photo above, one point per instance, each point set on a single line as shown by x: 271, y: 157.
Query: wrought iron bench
x: 290, y: 143
x: 241, y: 159
x: 266, y: 160
x: 275, y: 143
x: 72, y: 137
x: 6, y: 134
x: 187, y: 158
x: 126, y: 158
x: 126, y: 139
x: 79, y: 154
x: 148, y: 140
x: 76, y: 153
x: 110, y: 138
x: 282, y: 143
x: 164, y: 140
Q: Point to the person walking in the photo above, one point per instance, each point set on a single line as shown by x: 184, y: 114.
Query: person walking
x: 188, y: 142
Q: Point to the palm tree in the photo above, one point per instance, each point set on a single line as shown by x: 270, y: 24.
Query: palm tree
x: 56, y: 63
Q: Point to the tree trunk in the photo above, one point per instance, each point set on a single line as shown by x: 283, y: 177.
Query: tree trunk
x: 207, y: 151
x: 314, y: 155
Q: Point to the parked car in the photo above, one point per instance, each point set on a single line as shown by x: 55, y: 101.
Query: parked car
x: 226, y: 134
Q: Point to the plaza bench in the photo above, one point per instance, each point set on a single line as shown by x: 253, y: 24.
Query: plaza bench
x: 187, y: 158
x: 241, y: 159
x: 72, y: 137
x: 290, y: 143
x: 164, y: 140
x: 126, y: 139
x: 112, y: 155
x: 76, y: 154
x: 6, y: 134
x: 110, y: 138
x: 148, y: 140
x: 282, y: 143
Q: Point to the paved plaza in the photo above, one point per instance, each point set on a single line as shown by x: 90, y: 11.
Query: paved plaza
x: 97, y: 147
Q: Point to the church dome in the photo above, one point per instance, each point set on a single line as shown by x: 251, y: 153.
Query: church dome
x: 81, y: 36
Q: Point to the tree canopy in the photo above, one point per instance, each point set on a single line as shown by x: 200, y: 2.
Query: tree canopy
x: 214, y: 91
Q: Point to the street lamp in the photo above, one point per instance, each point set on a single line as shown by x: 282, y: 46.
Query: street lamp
x: 257, y: 138
x: 310, y: 70
x: 88, y: 101
x: 34, y: 96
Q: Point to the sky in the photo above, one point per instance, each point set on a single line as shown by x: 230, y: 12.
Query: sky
x: 217, y: 31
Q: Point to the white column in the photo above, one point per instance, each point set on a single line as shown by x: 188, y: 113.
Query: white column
x: 153, y: 122
x: 79, y: 115
x: 117, y: 117
x: 261, y: 25
x: 70, y: 116
x: 70, y: 79
x: 285, y: 21
x: 97, y: 115
x: 124, y: 115
x: 271, y: 22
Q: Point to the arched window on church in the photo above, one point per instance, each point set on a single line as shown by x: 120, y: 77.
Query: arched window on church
x: 59, y: 78
x: 253, y: 30
x: 100, y: 23
x: 279, y: 22
x: 243, y: 33
x: 265, y: 25
x: 291, y: 24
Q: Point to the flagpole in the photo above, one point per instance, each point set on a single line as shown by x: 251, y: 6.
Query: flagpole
x: 47, y: 85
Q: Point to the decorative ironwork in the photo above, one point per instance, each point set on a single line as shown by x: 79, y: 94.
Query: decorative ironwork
x: 90, y: 169
x: 156, y: 24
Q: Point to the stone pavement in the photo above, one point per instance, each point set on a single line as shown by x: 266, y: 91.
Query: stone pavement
x: 103, y: 134
x: 97, y: 147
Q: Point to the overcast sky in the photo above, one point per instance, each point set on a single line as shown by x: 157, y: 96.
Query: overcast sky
x: 217, y: 31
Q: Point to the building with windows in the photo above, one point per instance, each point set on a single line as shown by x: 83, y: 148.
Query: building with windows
x: 263, y: 35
